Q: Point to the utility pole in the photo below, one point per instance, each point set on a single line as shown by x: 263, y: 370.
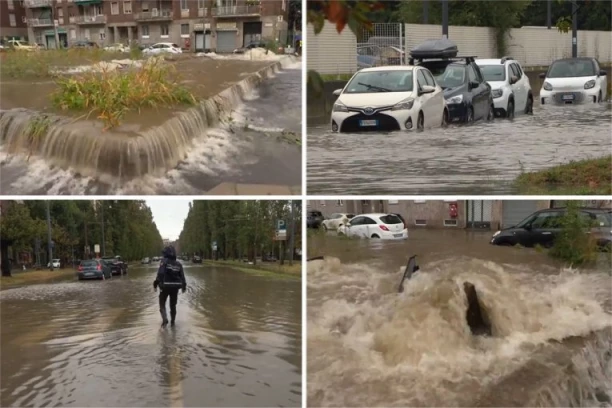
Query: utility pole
x: 574, y: 29
x: 55, y: 24
x: 49, y: 242
x: 292, y: 238
x: 102, y: 222
x: 549, y: 13
x: 425, y: 11
x: 444, y: 18
x: 256, y: 231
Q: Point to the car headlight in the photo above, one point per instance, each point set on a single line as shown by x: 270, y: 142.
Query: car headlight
x: 406, y: 104
x: 455, y: 99
x: 590, y: 84
x: 547, y: 86
x: 496, y: 234
x: 339, y: 107
x: 497, y: 93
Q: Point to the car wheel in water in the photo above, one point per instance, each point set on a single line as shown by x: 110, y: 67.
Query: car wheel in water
x: 375, y: 236
x: 599, y: 97
x: 510, y: 110
x: 325, y: 227
x: 470, y: 115
x: 529, y: 106
x: 421, y: 121
x: 491, y: 114
x: 445, y: 118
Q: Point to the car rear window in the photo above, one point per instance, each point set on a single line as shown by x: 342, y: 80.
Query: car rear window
x: 391, y: 219
x: 89, y: 263
x: 493, y: 72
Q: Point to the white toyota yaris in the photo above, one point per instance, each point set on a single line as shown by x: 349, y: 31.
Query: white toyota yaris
x: 574, y: 80
x: 389, y: 98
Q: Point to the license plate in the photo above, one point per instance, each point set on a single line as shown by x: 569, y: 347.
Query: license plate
x: 568, y: 97
x: 398, y: 235
x: 368, y: 122
x: 88, y: 273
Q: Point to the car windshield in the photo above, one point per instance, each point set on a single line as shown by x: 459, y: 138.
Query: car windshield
x: 380, y: 81
x: 603, y: 220
x: 571, y: 69
x: 391, y: 219
x: 493, y: 72
x: 447, y: 75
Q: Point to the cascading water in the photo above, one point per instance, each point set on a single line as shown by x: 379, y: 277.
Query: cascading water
x: 550, y: 342
x: 79, y: 145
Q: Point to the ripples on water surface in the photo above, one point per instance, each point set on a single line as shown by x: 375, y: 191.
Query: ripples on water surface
x: 370, y: 346
x: 483, y: 158
x: 237, y: 343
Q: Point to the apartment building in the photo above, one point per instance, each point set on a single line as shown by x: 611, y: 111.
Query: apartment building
x: 478, y: 214
x: 196, y: 25
x: 13, y: 20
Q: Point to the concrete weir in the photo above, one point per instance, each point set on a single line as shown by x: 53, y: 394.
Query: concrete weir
x: 83, y: 146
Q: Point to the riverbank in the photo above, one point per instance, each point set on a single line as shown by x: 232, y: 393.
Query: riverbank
x: 34, y: 277
x: 590, y: 176
x: 272, y: 269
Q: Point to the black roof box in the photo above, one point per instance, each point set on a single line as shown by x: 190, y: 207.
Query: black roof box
x: 439, y: 48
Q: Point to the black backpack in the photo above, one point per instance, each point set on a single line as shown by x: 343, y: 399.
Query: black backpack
x: 172, y: 275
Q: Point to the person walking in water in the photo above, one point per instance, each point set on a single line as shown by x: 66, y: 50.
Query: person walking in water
x: 170, y: 278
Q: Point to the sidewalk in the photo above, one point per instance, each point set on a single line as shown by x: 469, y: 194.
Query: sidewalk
x: 254, y: 189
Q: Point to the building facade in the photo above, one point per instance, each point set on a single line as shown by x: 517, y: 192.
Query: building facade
x: 477, y: 214
x: 13, y: 20
x: 194, y: 25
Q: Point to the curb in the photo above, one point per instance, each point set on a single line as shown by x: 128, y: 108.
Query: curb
x: 254, y: 189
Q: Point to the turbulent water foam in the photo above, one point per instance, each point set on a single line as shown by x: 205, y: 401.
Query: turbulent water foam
x: 153, y: 151
x: 370, y: 346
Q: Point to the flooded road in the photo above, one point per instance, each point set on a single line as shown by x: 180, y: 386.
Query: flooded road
x: 258, y: 146
x: 370, y: 346
x: 483, y: 158
x: 237, y: 342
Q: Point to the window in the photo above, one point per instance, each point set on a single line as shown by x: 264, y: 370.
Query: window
x: 60, y: 12
x: 365, y: 202
x: 518, y: 69
x: 515, y: 71
x: 144, y: 7
x: 102, y: 34
x: 358, y: 221
x: 339, y: 203
x: 114, y: 8
x: 420, y: 223
x: 369, y: 221
x: 377, y: 81
x: 201, y: 4
x: 127, y: 7
x: 547, y: 220
x: 391, y: 219
x: 391, y: 202
x: 87, y: 34
x: 11, y: 5
x: 184, y: 29
x: 472, y: 74
x: 144, y: 31
x: 429, y: 78
x: 184, y: 5
x: 72, y: 34
x: 12, y: 20
x: 450, y: 223
x: 421, y: 79
x: 165, y: 31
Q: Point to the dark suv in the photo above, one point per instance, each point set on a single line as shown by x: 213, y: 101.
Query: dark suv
x: 314, y: 219
x: 467, y: 94
x: 542, y: 227
x: 116, y: 264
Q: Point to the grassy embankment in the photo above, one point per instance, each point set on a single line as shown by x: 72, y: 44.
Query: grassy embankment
x: 21, y: 278
x: 263, y: 268
x: 590, y: 176
x: 108, y: 93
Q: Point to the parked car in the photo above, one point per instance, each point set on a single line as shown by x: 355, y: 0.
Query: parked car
x: 19, y: 45
x: 574, y: 80
x: 377, y: 226
x: 468, y: 96
x: 314, y: 219
x: 116, y: 264
x: 55, y: 263
x: 118, y: 47
x: 389, y: 98
x: 510, y: 86
x: 146, y: 261
x: 335, y: 220
x: 196, y: 259
x: 161, y: 48
x: 94, y: 269
x: 542, y: 228
x: 250, y: 46
x: 84, y: 44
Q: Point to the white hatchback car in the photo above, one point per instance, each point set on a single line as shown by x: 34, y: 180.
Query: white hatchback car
x: 574, y: 80
x: 161, y: 48
x: 510, y: 87
x: 55, y: 262
x: 389, y: 98
x: 335, y: 220
x: 382, y: 226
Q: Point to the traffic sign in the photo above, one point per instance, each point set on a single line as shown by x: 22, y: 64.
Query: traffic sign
x: 281, y: 225
x: 97, y: 248
x: 214, y: 245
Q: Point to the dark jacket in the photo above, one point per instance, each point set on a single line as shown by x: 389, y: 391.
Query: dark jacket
x: 170, y: 272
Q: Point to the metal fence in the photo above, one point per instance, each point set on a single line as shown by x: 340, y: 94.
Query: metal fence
x: 382, y: 44
x: 479, y: 213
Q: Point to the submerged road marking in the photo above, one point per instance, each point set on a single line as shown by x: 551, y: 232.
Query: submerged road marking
x: 176, y: 384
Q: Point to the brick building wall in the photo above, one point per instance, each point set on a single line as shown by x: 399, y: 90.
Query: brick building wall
x: 13, y: 20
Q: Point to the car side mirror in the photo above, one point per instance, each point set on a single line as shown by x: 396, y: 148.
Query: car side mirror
x: 337, y: 92
x: 603, y: 72
x: 513, y: 80
x: 527, y: 227
x: 474, y: 84
x: 427, y: 89
x: 542, y: 75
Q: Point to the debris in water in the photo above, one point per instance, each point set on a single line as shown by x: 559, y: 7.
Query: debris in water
x: 476, y: 316
x: 411, y: 268
x: 316, y: 258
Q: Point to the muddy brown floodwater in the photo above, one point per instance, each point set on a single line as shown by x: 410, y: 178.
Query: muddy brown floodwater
x: 237, y: 342
x: 368, y: 345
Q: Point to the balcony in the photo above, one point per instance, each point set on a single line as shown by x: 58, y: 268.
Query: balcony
x: 86, y: 2
x: 156, y: 15
x: 236, y: 11
x: 40, y: 22
x: 90, y: 20
x: 37, y: 3
x: 202, y: 12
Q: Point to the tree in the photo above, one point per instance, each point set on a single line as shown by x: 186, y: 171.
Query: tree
x: 295, y: 15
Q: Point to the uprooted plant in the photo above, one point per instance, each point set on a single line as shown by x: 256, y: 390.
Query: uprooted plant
x: 111, y: 94
x: 37, y: 127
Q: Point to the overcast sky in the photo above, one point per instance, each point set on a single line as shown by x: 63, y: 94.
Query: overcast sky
x: 169, y: 216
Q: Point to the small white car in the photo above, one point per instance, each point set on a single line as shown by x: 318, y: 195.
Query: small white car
x: 55, y: 263
x: 574, y: 80
x: 118, y: 47
x: 510, y: 87
x: 161, y: 48
x: 377, y: 226
x: 335, y: 220
x: 389, y: 98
